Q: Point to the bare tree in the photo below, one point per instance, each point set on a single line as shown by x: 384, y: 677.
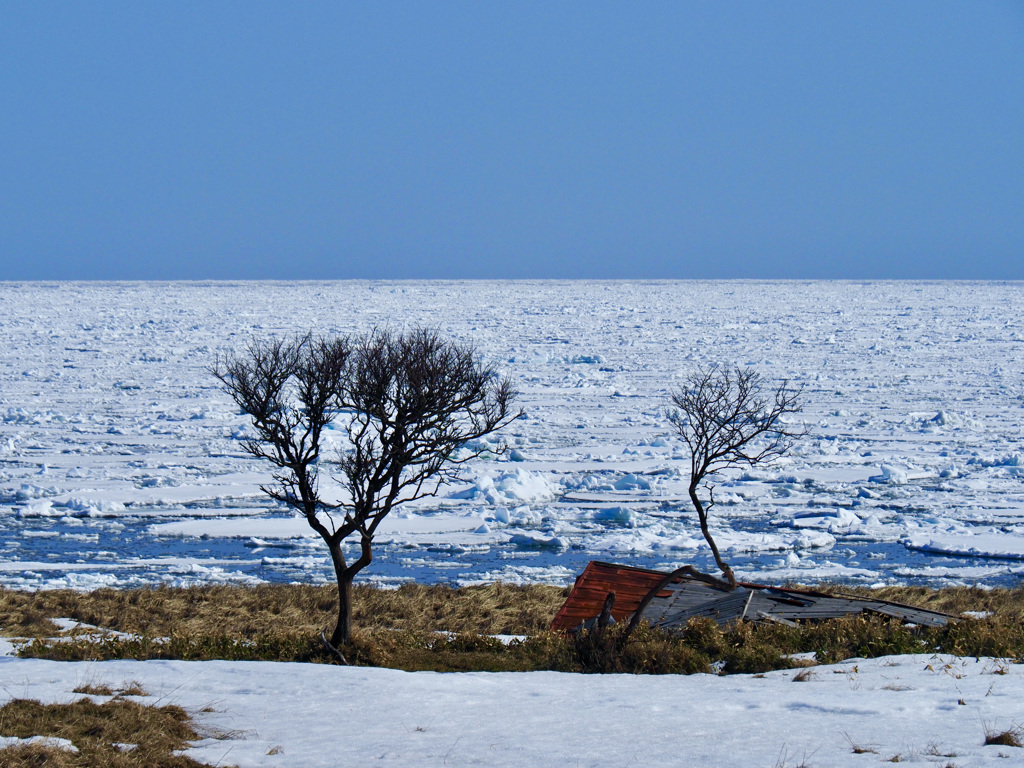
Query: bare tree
x: 407, y: 404
x: 730, y: 418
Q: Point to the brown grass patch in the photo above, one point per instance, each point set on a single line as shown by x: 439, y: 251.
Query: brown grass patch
x: 1008, y: 738
x: 490, y: 609
x: 97, y: 730
x: 134, y: 688
x: 94, y: 690
x: 282, y: 608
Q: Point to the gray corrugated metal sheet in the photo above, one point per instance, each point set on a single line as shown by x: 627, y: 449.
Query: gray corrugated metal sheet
x: 689, y: 598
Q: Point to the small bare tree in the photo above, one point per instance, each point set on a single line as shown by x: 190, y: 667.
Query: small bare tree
x: 730, y: 418
x: 406, y: 403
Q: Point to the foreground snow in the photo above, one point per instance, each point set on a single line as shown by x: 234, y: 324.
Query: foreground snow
x: 924, y: 709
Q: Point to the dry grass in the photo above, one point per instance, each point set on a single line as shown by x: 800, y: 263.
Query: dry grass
x: 303, y: 609
x: 281, y: 623
x: 859, y: 749
x: 282, y: 608
x: 133, y: 688
x: 94, y: 690
x: 491, y: 609
x: 1004, y: 604
x: 804, y: 675
x: 1008, y: 738
x: 99, y: 732
x: 440, y: 628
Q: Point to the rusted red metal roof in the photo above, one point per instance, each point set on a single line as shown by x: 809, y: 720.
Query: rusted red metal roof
x: 629, y: 584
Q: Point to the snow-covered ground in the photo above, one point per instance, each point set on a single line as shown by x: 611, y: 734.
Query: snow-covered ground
x: 927, y: 710
x: 120, y: 460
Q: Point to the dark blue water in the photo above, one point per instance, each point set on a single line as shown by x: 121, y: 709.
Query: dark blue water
x: 116, y: 547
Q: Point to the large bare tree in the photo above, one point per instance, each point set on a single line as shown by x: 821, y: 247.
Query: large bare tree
x: 730, y: 417
x: 407, y: 403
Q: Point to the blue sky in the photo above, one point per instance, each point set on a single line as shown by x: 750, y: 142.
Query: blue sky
x: 217, y: 140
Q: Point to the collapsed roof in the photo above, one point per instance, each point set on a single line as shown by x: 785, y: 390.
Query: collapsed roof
x: 685, y: 598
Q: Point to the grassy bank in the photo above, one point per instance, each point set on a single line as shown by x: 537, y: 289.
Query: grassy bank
x: 421, y: 627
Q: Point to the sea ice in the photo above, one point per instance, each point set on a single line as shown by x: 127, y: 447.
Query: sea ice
x: 119, y: 452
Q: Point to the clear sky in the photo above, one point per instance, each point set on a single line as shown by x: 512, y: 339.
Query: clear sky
x: 327, y: 140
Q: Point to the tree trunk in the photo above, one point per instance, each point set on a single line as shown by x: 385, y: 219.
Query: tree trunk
x: 605, y: 618
x: 703, y: 516
x: 342, y: 634
x: 345, y: 574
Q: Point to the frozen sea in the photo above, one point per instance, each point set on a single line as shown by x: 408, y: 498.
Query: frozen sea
x: 120, y: 460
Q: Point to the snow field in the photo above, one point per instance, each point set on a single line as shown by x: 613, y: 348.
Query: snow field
x: 921, y: 709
